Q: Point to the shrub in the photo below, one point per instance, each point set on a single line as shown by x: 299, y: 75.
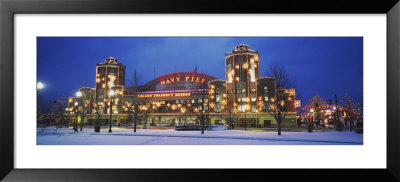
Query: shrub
x: 310, y: 126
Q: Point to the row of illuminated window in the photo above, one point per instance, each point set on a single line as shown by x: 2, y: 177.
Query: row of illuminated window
x: 253, y: 99
x: 205, y: 108
x: 189, y: 101
x: 243, y: 91
x: 110, y: 70
x: 243, y: 108
x: 199, y: 101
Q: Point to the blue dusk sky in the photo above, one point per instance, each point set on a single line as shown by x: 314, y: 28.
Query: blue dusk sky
x: 318, y: 65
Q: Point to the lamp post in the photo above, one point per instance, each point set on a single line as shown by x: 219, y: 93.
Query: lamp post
x: 39, y: 86
x: 111, y: 94
x: 256, y: 118
x: 68, y: 113
x: 245, y: 119
x: 183, y: 110
x: 99, y: 108
x: 76, y: 118
x: 78, y: 96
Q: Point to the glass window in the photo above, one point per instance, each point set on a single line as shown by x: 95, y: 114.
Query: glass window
x: 241, y: 108
x: 253, y: 99
x: 239, y: 99
x: 229, y: 91
x: 101, y: 70
x: 177, y: 101
x: 205, y: 100
x: 253, y: 108
x: 266, y: 98
x: 218, y: 107
x: 206, y: 108
x: 266, y: 89
x: 238, y: 91
x: 200, y: 108
x: 229, y: 74
x: 193, y: 101
x: 243, y: 90
x: 112, y: 70
x: 253, y: 90
x: 218, y: 98
x: 200, y: 101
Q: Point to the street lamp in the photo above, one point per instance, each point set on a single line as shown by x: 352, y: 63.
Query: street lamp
x: 76, y: 118
x: 111, y: 94
x: 78, y: 94
x: 39, y: 86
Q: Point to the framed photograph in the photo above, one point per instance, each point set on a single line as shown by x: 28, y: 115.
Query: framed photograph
x: 144, y: 90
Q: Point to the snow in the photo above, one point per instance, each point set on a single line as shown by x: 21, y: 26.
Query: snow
x: 119, y: 136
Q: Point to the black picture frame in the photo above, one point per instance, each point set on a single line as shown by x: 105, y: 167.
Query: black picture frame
x: 9, y: 8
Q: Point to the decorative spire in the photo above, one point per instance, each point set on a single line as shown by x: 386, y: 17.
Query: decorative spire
x: 111, y: 60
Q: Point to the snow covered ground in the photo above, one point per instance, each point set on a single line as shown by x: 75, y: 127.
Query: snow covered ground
x: 66, y: 136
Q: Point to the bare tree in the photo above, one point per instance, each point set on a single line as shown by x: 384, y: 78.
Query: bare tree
x: 200, y: 109
x: 133, y: 106
x: 144, y: 112
x: 133, y: 109
x: 279, y: 103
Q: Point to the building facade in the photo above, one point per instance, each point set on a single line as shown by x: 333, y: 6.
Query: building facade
x: 184, y: 98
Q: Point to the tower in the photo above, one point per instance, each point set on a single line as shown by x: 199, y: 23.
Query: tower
x: 110, y: 75
x: 242, y: 73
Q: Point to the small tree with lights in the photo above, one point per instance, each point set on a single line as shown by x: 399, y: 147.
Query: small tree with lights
x: 351, y: 109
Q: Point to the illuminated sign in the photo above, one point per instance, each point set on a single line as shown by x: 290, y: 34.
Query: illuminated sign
x: 164, y: 95
x: 186, y: 78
